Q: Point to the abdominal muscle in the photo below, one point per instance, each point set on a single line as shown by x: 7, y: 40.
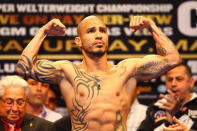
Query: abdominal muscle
x: 98, y: 104
x: 105, y: 112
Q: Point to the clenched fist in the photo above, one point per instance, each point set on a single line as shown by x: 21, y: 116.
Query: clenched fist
x: 139, y: 23
x: 54, y: 27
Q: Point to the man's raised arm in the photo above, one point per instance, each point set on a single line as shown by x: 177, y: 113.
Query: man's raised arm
x: 41, y: 70
x: 152, y: 66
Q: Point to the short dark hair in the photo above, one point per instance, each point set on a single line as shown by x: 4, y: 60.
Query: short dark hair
x: 187, y: 69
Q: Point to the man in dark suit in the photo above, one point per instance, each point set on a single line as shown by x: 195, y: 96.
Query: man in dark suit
x: 63, y: 124
x: 13, y: 92
x: 180, y: 102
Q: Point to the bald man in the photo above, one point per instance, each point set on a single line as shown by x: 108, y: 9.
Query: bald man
x: 97, y: 94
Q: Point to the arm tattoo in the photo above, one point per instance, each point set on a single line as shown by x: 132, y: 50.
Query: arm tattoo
x: 153, y: 67
x: 43, y: 70
x: 24, y: 66
x: 118, y: 123
x: 79, y: 111
x: 161, y: 51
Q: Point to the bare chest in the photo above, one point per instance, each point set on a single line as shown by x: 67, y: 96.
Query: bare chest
x: 90, y: 86
x: 98, y: 101
x: 97, y: 98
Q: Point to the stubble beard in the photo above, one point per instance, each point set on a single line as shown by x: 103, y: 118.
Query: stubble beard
x: 98, y: 53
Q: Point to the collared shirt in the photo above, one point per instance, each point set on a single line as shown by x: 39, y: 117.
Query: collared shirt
x: 12, y: 127
x: 50, y: 115
x: 136, y: 115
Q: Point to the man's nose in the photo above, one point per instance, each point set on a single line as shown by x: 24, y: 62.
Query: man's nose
x: 39, y: 87
x: 14, y: 107
x: 174, y: 83
x: 98, y: 36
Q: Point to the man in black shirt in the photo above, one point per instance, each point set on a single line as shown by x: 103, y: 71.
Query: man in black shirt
x: 179, y: 102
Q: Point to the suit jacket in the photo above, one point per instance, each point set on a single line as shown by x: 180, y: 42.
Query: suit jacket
x: 33, y: 123
x: 63, y: 124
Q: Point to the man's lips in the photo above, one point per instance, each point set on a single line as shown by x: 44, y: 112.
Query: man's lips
x: 38, y: 95
x: 175, y: 92
x: 13, y: 115
x: 99, y: 43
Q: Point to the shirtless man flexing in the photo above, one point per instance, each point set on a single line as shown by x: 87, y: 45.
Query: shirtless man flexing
x: 97, y: 94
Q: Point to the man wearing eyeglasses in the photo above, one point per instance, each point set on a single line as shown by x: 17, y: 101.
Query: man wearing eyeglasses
x: 13, y: 117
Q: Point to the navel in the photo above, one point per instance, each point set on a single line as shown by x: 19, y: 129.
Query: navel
x: 117, y: 93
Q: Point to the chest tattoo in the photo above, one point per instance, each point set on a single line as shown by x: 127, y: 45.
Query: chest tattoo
x: 91, y: 84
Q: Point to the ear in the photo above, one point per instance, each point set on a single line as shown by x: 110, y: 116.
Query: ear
x: 138, y: 90
x: 78, y: 41
x: 192, y: 82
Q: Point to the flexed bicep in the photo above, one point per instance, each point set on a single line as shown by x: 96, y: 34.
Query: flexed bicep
x: 167, y: 56
x: 41, y: 70
x: 151, y: 66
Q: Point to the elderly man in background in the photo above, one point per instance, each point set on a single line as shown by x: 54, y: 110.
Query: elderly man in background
x: 36, y: 100
x: 13, y: 117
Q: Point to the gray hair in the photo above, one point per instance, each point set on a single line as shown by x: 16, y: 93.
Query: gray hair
x: 13, y: 80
